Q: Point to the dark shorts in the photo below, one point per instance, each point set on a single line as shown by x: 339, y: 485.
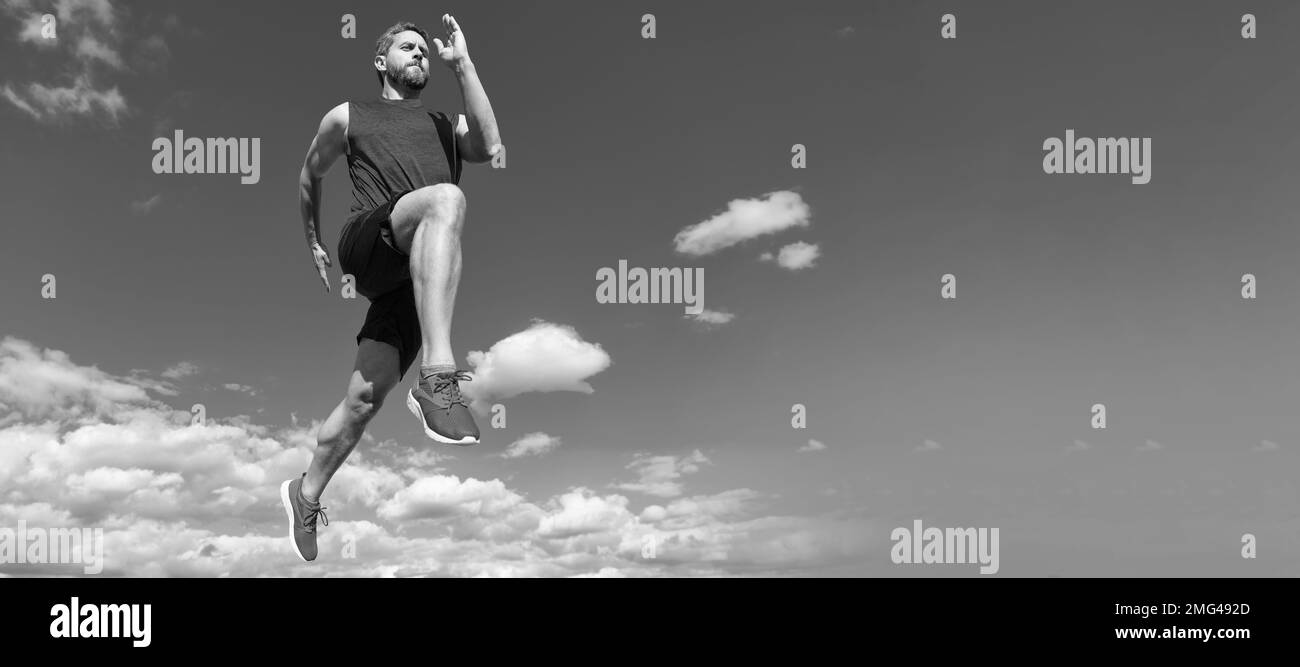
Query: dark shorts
x: 383, y: 275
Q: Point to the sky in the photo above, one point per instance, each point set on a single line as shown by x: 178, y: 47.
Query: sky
x: 634, y: 424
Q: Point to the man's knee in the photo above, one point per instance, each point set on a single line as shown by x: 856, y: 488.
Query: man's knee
x: 441, y: 205
x: 364, y: 400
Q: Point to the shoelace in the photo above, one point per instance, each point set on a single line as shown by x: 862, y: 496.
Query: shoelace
x: 449, y: 383
x: 309, y: 519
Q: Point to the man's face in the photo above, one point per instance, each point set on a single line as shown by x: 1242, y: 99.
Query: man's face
x: 408, y: 60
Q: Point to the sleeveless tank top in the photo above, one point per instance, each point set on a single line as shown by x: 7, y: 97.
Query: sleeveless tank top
x: 395, y: 146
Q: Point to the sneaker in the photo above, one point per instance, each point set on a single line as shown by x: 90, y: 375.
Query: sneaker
x: 443, y: 412
x: 302, y: 518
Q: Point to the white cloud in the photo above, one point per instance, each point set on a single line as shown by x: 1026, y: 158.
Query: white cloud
x: 581, y: 512
x: 1266, y: 446
x: 49, y: 103
x: 813, y: 446
x: 180, y: 370
x: 1078, y: 446
x: 795, y: 256
x: 86, y: 12
x: 93, y: 34
x: 1150, y: 446
x: 711, y: 318
x: 532, y: 444
x: 744, y: 219
x: 32, y: 27
x: 90, y: 47
x: 659, y: 475
x: 44, y: 384
x: 146, y: 205
x: 928, y: 446
x: 241, y: 388
x: 544, y: 357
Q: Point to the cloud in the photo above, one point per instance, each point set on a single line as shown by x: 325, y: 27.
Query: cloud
x: 88, y: 31
x: 711, y: 318
x: 90, y: 47
x: 744, y: 219
x: 242, y: 388
x: 1266, y: 446
x: 1150, y: 446
x: 176, y: 499
x: 45, y: 385
x: 534, y: 444
x: 659, y: 475
x: 1078, y: 446
x: 59, y: 103
x: 146, y: 205
x: 928, y: 446
x: 180, y: 370
x: 545, y: 357
x: 794, y: 256
x: 845, y: 32
x: 813, y: 446
x: 32, y: 28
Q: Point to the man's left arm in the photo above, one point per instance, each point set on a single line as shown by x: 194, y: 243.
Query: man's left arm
x: 477, y: 137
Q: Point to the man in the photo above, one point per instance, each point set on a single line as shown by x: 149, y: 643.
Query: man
x: 401, y: 243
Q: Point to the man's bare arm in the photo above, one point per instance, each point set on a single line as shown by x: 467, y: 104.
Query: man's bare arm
x: 330, y: 143
x: 477, y: 140
x: 480, y: 139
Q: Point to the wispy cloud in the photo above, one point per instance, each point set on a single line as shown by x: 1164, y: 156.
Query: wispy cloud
x: 1266, y: 446
x: 241, y: 388
x: 92, y: 36
x: 744, y: 219
x: 146, y: 205
x: 1150, y: 446
x: 180, y: 370
x: 661, y: 475
x: 711, y: 318
x: 813, y: 446
x: 928, y: 446
x: 532, y: 444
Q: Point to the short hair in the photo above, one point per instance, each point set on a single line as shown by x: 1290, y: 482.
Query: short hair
x: 385, y: 41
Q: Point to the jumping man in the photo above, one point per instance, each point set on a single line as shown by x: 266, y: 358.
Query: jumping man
x: 401, y: 243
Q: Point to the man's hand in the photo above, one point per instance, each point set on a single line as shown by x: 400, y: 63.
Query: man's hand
x: 455, y: 52
x: 322, y: 260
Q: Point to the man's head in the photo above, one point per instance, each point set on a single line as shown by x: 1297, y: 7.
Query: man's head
x: 402, y: 54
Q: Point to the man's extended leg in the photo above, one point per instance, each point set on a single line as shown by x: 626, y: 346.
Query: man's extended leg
x: 426, y: 226
x: 374, y: 374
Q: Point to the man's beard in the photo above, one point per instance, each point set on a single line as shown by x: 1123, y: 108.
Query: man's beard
x: 410, y: 77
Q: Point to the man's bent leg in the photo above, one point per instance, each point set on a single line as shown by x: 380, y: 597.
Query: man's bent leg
x: 427, y: 225
x: 375, y: 373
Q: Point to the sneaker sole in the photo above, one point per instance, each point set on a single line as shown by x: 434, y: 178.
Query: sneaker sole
x: 414, y: 406
x: 288, y: 509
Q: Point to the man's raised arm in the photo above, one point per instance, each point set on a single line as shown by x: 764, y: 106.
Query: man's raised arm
x: 331, y: 142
